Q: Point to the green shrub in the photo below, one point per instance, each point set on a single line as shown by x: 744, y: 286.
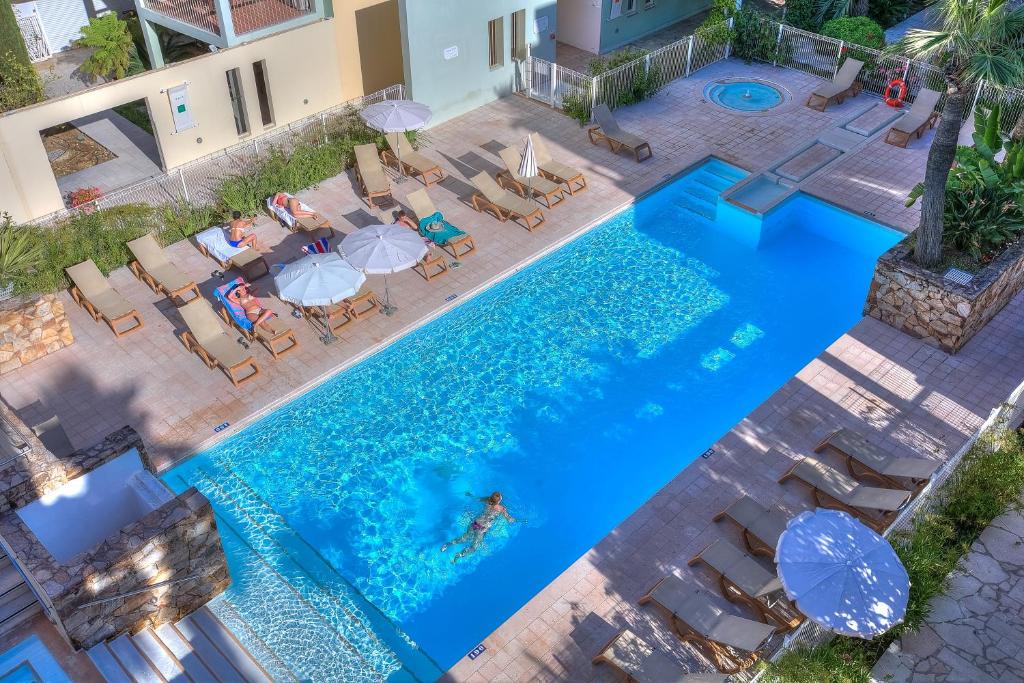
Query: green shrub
x: 754, y: 36
x: 890, y: 12
x: 599, y: 65
x: 112, y: 47
x: 20, y: 253
x: 137, y: 113
x: 20, y: 85
x: 837, y: 661
x: 577, y: 105
x: 180, y: 220
x: 10, y: 36
x: 856, y: 30
x: 803, y: 14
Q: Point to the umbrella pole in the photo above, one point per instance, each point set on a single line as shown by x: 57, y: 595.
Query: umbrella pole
x: 387, y: 308
x: 401, y: 172
x: 328, y: 335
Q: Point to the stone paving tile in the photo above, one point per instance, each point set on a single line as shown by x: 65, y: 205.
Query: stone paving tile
x: 874, y: 378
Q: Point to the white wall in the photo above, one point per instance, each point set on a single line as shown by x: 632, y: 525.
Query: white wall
x: 579, y: 24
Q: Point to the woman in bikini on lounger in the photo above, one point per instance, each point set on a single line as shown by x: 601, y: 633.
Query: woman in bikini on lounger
x: 479, y: 527
x: 236, y: 232
x: 254, y: 310
x: 293, y: 205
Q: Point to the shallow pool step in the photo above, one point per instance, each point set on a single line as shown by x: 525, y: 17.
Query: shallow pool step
x: 198, y: 649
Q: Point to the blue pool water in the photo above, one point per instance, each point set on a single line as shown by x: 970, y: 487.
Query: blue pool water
x: 743, y: 95
x: 578, y: 388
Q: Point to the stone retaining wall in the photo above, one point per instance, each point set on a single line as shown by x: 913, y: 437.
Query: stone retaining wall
x: 940, y: 312
x: 32, y: 329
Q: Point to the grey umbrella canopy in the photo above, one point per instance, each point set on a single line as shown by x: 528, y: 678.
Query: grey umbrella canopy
x: 396, y: 116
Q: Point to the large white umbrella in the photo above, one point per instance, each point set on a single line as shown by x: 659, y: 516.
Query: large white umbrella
x: 381, y: 250
x: 842, y: 574
x: 396, y: 116
x: 319, y: 280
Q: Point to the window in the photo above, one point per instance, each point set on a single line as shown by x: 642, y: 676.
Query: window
x: 259, y: 70
x: 648, y: 4
x: 519, y: 35
x: 496, y: 42
x: 237, y: 101
x: 628, y: 6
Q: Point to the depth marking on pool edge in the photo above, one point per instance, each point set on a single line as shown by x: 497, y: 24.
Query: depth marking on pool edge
x: 451, y: 297
x: 477, y: 651
x: 221, y: 427
x: 708, y: 453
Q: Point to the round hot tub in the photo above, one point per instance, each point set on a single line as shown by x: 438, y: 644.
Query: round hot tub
x: 744, y: 94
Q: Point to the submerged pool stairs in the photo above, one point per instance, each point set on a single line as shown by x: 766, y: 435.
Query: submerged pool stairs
x: 199, y: 648
x: 699, y: 192
x: 17, y: 601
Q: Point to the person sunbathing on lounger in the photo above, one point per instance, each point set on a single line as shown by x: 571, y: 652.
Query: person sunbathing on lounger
x: 480, y: 525
x: 402, y: 218
x: 254, y: 310
x: 236, y: 232
x: 293, y: 206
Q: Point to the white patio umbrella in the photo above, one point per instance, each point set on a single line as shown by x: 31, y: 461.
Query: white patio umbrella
x: 842, y: 574
x: 319, y: 280
x: 381, y: 250
x: 528, y: 166
x: 396, y: 116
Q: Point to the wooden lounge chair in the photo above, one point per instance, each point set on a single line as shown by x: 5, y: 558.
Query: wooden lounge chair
x: 275, y: 336
x: 413, y: 163
x: 91, y: 291
x: 336, y: 316
x: 697, y: 617
x: 744, y: 580
x: 607, y: 130
x: 641, y: 663
x: 876, y: 463
x: 206, y: 338
x: 213, y: 244
x: 504, y: 204
x: 844, y: 85
x: 875, y: 507
x: 538, y: 186
x: 152, y: 267
x: 922, y: 115
x: 569, y: 176
x: 311, y: 224
x: 372, y: 180
x: 451, y: 238
x: 761, y: 525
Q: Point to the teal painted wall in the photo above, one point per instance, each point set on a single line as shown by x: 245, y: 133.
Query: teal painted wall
x: 629, y: 27
x: 454, y: 86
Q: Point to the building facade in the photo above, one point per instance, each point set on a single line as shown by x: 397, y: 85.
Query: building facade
x: 600, y: 26
x: 461, y: 54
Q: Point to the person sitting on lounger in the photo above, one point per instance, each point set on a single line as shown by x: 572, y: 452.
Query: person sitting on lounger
x: 402, y: 218
x: 293, y: 206
x: 480, y: 525
x: 243, y: 295
x: 236, y: 232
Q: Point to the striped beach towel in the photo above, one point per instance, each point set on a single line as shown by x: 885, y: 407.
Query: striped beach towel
x: 319, y: 247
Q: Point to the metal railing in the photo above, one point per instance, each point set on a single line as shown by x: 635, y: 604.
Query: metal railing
x: 246, y: 15
x: 197, y: 182
x: 139, y: 591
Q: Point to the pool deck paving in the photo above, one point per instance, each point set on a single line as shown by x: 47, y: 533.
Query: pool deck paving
x: 908, y: 396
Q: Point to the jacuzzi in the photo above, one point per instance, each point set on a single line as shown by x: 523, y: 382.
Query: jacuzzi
x: 95, y: 506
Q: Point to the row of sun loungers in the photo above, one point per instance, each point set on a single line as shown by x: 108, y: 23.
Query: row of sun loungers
x: 733, y: 642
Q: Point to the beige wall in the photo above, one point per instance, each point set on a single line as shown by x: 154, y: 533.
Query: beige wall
x: 303, y: 75
x: 369, y: 45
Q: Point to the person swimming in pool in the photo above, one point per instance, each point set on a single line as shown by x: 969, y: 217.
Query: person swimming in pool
x: 480, y: 525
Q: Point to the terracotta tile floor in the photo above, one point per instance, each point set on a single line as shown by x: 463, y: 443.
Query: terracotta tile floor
x: 873, y: 378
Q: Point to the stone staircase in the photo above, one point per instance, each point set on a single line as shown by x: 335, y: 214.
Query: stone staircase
x: 198, y: 648
x: 17, y: 602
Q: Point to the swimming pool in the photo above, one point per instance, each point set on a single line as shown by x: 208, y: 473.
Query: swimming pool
x: 577, y: 387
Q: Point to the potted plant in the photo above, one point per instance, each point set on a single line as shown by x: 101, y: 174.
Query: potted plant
x: 84, y: 197
x: 19, y: 254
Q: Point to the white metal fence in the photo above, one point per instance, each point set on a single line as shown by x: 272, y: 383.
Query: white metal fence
x: 35, y: 39
x: 790, y: 47
x: 197, y: 181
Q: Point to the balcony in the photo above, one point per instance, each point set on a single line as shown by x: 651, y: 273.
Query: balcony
x: 246, y: 17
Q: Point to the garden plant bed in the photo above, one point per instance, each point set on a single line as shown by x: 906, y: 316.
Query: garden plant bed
x: 928, y: 306
x: 70, y: 150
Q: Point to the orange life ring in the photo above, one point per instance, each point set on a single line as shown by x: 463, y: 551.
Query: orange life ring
x: 901, y: 93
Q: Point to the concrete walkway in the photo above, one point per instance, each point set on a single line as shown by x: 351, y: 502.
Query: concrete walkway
x: 136, y: 154
x: 975, y: 631
x: 923, y: 19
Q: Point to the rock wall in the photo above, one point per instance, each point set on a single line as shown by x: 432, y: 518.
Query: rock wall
x: 32, y: 329
x: 942, y: 313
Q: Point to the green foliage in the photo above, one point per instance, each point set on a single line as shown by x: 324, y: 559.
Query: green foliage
x: 137, y: 113
x: 891, y: 12
x: 20, y: 253
x: 174, y: 46
x: 576, y: 105
x: 856, y: 30
x: 181, y: 220
x: 20, y: 85
x: 988, y: 481
x: 714, y: 30
x: 803, y: 14
x: 10, y: 36
x: 754, y: 36
x: 112, y: 45
x: 599, y: 65
x: 840, y: 660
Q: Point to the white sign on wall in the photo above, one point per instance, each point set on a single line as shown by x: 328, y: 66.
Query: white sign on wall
x: 451, y: 52
x: 181, y: 110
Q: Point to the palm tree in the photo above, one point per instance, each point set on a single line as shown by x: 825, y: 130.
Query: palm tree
x: 974, y: 41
